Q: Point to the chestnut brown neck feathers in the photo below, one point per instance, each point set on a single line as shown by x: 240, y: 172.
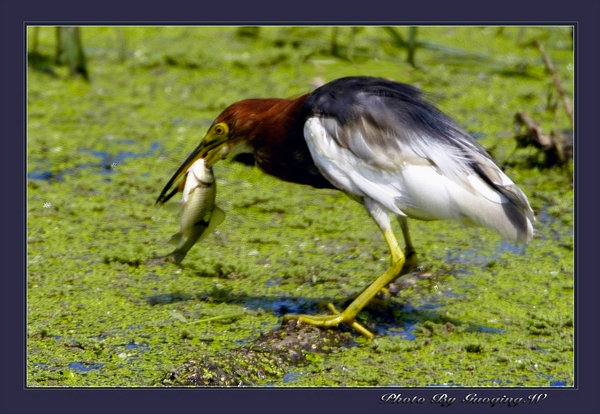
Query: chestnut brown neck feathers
x: 273, y: 128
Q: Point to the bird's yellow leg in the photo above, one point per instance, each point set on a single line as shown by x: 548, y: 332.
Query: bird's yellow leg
x: 410, y: 260
x: 409, y: 251
x: 348, y: 315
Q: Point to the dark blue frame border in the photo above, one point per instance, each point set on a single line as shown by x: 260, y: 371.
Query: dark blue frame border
x: 16, y: 398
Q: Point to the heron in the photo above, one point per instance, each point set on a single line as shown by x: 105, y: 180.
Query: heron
x: 387, y: 147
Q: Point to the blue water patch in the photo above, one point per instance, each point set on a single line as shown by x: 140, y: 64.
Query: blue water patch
x: 39, y: 174
x: 281, y: 306
x: 478, y: 257
x: 107, y: 161
x: 552, y: 382
x: 290, y: 376
x: 485, y: 329
x: 404, y: 326
x: 166, y: 298
x: 489, y: 329
x: 274, y: 281
x: 81, y: 367
x: 139, y: 347
x: 547, y: 220
x: 406, y: 332
x: 505, y: 246
x: 429, y: 306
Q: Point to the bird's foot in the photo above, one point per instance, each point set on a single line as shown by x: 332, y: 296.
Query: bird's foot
x: 330, y: 320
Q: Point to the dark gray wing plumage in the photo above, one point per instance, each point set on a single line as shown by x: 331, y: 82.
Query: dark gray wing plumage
x: 373, y: 117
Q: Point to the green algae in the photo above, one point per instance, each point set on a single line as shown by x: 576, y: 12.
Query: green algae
x: 479, y: 312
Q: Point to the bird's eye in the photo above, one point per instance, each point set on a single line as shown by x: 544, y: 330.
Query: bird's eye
x: 221, y: 129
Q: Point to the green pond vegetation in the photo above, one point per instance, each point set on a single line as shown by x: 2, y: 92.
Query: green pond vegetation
x: 478, y: 312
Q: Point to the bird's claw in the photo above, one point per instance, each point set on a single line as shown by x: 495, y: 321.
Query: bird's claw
x: 330, y: 320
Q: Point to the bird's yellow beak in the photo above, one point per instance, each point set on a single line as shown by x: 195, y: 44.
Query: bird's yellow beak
x: 212, y: 148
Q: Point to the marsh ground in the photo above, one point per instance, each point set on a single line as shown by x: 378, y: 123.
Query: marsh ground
x: 479, y: 312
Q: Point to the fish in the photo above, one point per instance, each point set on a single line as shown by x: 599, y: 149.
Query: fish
x: 199, y: 214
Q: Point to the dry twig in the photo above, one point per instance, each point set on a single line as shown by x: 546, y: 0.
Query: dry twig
x: 550, y: 67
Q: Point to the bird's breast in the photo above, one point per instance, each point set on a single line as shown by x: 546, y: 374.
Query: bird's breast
x: 289, y: 159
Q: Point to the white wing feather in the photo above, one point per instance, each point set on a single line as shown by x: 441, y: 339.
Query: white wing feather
x: 411, y: 185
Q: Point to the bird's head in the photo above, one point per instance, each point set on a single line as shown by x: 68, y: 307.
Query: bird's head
x: 231, y: 133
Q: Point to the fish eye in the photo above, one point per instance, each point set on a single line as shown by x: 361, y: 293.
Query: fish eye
x: 221, y: 128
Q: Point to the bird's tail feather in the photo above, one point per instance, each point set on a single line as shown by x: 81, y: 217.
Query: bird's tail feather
x: 512, y: 218
x: 515, y: 206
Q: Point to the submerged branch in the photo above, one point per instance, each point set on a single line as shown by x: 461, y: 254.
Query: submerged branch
x: 551, y: 144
